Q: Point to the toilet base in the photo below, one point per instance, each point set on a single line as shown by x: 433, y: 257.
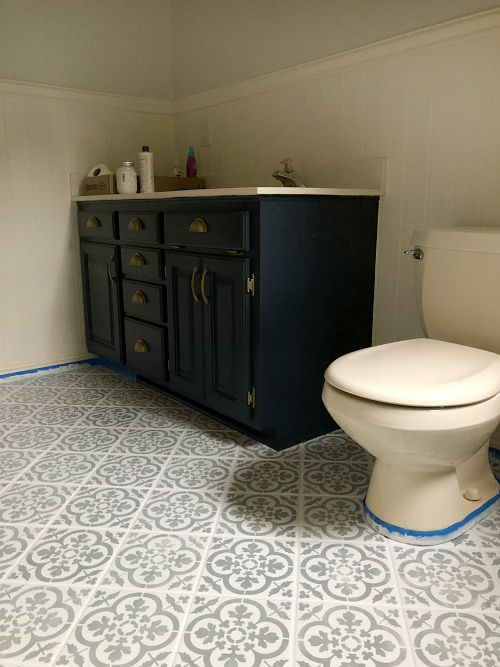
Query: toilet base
x: 430, y: 506
x: 430, y: 537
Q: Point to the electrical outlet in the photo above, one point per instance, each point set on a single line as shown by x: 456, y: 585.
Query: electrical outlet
x: 205, y: 133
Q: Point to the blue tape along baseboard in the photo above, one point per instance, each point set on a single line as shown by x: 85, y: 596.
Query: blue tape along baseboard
x: 92, y: 362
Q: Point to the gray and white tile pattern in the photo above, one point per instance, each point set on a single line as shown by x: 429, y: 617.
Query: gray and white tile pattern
x: 136, y: 532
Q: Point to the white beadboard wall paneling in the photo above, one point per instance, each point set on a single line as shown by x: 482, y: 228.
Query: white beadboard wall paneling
x: 427, y: 103
x: 45, y: 134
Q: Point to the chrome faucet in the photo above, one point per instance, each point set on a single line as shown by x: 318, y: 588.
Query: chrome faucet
x: 288, y: 176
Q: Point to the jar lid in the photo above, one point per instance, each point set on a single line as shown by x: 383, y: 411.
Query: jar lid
x: 126, y: 164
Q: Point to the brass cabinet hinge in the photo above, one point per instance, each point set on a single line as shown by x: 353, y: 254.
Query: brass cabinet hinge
x: 236, y: 253
x: 251, y: 397
x: 251, y: 285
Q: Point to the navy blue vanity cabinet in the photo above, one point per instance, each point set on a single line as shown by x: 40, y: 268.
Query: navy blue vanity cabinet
x: 100, y: 271
x: 234, y: 305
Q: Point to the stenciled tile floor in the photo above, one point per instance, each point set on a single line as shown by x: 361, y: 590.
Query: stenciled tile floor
x: 136, y: 532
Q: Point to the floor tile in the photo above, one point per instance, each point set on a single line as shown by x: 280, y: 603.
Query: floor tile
x: 157, y: 561
x: 99, y: 440
x: 351, y: 635
x: 196, y: 473
x: 61, y: 468
x: 14, y: 542
x: 149, y: 441
x: 444, y: 577
x: 334, y: 446
x: 179, y: 511
x: 33, y: 503
x: 102, y: 507
x: 267, y: 476
x: 14, y: 462
x: 259, y: 515
x: 129, y: 471
x: 15, y: 414
x: 137, y: 397
x: 209, y: 443
x: 333, y: 478
x: 35, y: 621
x: 27, y: 394
x: 451, y: 639
x: 79, y: 396
x: 236, y: 631
x: 335, y: 518
x: 250, y: 567
x: 32, y: 437
x: 65, y: 556
x: 154, y: 417
x: 108, y: 417
x: 343, y: 572
x: 57, y: 415
x: 126, y: 629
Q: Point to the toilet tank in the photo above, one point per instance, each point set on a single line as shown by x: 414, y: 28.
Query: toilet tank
x: 458, y: 285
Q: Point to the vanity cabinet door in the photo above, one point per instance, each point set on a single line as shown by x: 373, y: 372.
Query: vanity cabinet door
x: 185, y: 333
x: 100, y: 291
x: 226, y: 305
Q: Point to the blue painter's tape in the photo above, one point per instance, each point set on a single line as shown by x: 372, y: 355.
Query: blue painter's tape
x: 443, y: 532
x: 92, y: 362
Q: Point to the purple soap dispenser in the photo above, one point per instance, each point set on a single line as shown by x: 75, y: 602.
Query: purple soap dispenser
x: 191, y: 164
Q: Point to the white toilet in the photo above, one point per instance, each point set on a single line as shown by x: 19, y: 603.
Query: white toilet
x: 426, y: 408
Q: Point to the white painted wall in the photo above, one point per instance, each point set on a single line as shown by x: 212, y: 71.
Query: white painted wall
x: 46, y: 134
x: 110, y: 46
x: 219, y: 43
x: 429, y: 102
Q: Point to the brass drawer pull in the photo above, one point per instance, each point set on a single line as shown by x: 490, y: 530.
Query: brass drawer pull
x: 140, y: 346
x: 198, y: 225
x: 137, y: 260
x: 111, y: 259
x: 139, y: 297
x: 92, y: 222
x: 135, y: 224
x: 195, y: 270
x: 205, y: 271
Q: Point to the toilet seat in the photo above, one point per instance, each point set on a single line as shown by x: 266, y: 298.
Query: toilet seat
x: 419, y: 373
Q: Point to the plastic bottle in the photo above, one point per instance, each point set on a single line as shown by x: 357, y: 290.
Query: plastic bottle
x: 126, y: 179
x: 146, y: 173
x: 176, y: 171
x: 191, y: 164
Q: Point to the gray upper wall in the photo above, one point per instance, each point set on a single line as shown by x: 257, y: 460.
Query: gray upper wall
x: 220, y: 42
x: 110, y: 46
x: 169, y: 49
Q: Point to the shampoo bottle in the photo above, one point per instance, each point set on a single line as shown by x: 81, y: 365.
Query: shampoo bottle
x: 146, y: 173
x: 191, y: 164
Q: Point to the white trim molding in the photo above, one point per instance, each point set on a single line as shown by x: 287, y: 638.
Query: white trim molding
x: 107, y: 100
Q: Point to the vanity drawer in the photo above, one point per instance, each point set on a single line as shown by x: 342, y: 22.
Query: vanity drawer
x: 145, y: 301
x: 139, y: 227
x: 141, y: 263
x: 146, y: 350
x: 227, y: 230
x: 96, y: 225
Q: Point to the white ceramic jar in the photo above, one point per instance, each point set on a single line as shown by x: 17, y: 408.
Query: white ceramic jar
x: 126, y: 179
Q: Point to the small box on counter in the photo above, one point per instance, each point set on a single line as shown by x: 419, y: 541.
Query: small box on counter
x: 100, y: 185
x: 166, y: 183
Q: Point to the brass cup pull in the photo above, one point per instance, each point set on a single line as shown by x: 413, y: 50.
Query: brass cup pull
x: 137, y: 260
x: 205, y: 271
x: 139, y: 297
x: 198, y: 225
x: 111, y: 259
x: 135, y: 224
x: 195, y: 271
x: 140, y: 346
x: 92, y: 222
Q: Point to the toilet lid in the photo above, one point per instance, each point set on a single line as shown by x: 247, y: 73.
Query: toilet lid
x: 421, y: 373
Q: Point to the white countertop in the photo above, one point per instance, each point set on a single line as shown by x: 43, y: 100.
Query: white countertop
x: 228, y: 192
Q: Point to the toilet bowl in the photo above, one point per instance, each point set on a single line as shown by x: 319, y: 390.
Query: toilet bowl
x: 425, y: 409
